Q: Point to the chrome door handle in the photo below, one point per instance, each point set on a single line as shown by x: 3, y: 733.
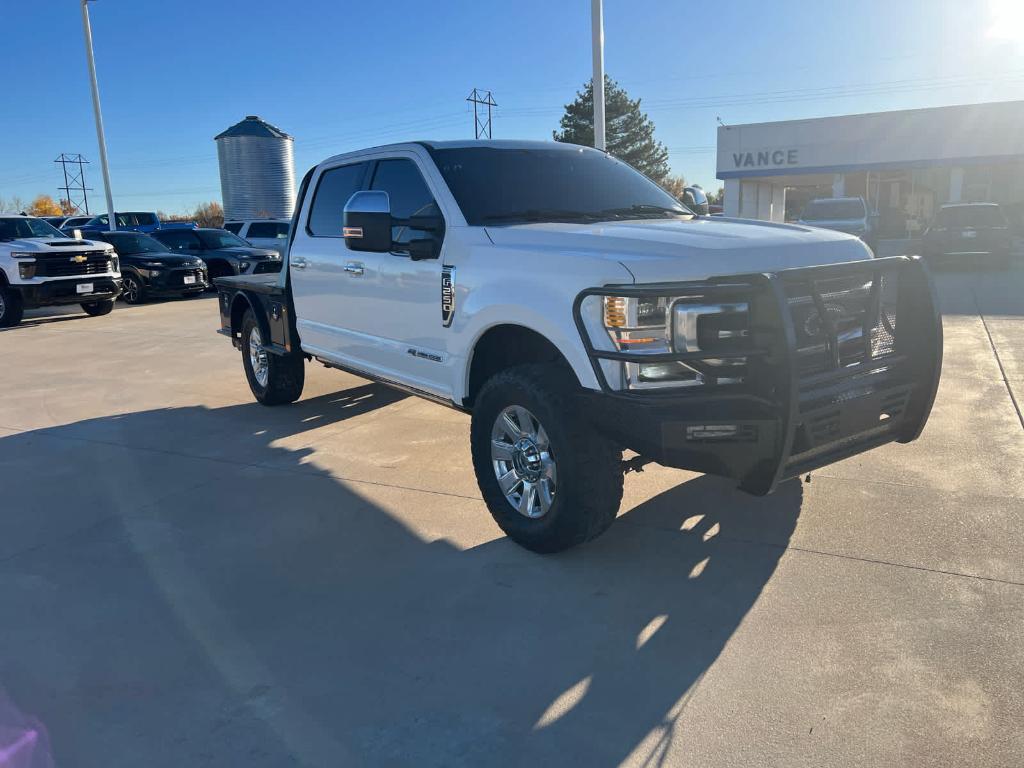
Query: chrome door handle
x: 354, y: 268
x: 299, y: 263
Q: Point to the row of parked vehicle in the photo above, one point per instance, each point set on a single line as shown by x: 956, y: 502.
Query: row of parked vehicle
x: 961, y: 233
x: 91, y: 265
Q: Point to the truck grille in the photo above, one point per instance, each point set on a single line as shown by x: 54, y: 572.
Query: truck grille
x: 838, y: 325
x: 96, y: 263
x: 266, y: 266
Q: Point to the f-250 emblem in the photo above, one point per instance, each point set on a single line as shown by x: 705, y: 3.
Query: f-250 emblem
x: 447, y: 295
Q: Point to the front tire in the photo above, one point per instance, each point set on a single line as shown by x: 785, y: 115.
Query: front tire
x: 12, y: 308
x: 98, y: 308
x: 273, y: 379
x: 132, y: 291
x: 549, y: 478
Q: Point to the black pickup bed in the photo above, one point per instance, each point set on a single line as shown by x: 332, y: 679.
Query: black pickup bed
x: 269, y: 301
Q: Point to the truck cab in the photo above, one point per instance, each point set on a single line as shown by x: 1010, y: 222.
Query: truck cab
x: 577, y: 310
x: 40, y: 266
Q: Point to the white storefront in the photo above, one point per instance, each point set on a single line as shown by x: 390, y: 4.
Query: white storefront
x: 904, y: 163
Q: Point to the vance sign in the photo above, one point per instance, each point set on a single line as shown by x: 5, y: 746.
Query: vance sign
x: 767, y: 158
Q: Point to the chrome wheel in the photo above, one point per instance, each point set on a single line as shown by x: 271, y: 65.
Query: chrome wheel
x: 258, y: 358
x: 523, y: 464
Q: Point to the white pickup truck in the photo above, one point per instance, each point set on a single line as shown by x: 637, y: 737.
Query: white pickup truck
x: 41, y: 266
x: 577, y: 311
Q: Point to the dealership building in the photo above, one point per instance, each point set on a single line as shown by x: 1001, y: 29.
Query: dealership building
x: 905, y: 164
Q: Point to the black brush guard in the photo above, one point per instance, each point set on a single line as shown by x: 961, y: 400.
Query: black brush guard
x: 821, y: 381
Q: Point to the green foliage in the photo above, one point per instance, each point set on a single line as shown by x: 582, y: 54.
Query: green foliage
x: 629, y: 132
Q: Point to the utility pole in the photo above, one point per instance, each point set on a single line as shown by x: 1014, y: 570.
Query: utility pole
x: 481, y: 127
x: 75, y: 191
x: 100, y: 137
x: 597, y: 34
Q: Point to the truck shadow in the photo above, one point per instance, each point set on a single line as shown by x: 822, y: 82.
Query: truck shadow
x: 290, y: 617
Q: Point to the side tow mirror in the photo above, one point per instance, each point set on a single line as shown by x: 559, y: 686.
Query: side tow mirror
x: 366, y: 222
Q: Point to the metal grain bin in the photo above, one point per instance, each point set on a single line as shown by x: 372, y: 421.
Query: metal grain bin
x: 257, y: 170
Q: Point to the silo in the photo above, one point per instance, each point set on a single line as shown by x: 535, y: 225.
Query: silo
x: 257, y: 170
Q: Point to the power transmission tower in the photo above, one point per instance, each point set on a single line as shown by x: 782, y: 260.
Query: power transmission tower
x: 75, y: 191
x: 481, y: 125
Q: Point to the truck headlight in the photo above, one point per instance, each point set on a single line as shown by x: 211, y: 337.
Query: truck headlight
x: 243, y: 266
x: 663, y: 325
x: 27, y: 271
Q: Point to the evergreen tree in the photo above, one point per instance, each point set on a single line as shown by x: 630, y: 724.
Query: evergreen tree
x: 629, y: 133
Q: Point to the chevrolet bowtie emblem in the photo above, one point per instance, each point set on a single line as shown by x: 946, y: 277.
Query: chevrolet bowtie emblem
x: 79, y: 259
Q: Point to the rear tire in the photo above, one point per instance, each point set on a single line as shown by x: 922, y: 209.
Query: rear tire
x: 12, y: 308
x: 98, y: 308
x: 273, y: 379
x: 586, y: 467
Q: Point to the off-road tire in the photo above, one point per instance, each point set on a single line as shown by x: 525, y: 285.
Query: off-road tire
x: 286, y: 373
x: 13, y: 307
x: 589, y: 466
x: 98, y: 308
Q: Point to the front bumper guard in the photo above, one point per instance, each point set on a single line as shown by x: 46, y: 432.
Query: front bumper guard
x: 782, y: 419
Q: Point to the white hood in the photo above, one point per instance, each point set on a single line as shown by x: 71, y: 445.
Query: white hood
x: 55, y: 245
x: 668, y: 250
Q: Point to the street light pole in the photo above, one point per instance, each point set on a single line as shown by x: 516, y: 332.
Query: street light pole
x: 597, y: 32
x: 100, y: 137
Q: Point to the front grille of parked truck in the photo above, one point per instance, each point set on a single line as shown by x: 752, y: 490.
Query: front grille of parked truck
x: 63, y: 265
x: 823, y: 361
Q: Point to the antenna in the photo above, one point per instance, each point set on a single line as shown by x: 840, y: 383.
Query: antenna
x: 481, y: 125
x: 75, y: 191
x: 721, y: 123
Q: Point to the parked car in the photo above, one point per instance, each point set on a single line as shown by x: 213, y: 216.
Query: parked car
x: 263, y: 233
x: 968, y: 233
x: 223, y: 252
x: 844, y: 214
x: 576, y: 309
x: 137, y: 221
x: 150, y: 269
x: 71, y: 223
x: 40, y: 267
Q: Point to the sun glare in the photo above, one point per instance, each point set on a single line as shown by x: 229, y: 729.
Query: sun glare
x: 1007, y: 20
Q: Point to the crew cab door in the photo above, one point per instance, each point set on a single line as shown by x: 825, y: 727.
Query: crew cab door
x: 375, y: 312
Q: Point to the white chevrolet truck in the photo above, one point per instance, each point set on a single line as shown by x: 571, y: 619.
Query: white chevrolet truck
x: 40, y: 266
x: 578, y: 311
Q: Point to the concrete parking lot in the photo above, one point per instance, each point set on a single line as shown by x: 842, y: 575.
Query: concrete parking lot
x: 188, y: 578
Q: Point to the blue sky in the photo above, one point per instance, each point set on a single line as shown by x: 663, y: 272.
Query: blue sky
x: 339, y: 75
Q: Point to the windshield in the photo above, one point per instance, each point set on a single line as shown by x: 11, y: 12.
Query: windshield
x: 549, y: 185
x: 833, y: 210
x: 19, y: 227
x: 971, y: 216
x: 129, y: 243
x: 220, y: 238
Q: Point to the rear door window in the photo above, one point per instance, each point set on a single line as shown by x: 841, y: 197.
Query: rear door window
x: 335, y: 187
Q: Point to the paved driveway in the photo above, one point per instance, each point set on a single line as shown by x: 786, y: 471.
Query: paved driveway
x: 188, y: 578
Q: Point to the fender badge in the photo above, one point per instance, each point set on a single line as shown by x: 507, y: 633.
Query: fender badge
x: 447, y: 295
